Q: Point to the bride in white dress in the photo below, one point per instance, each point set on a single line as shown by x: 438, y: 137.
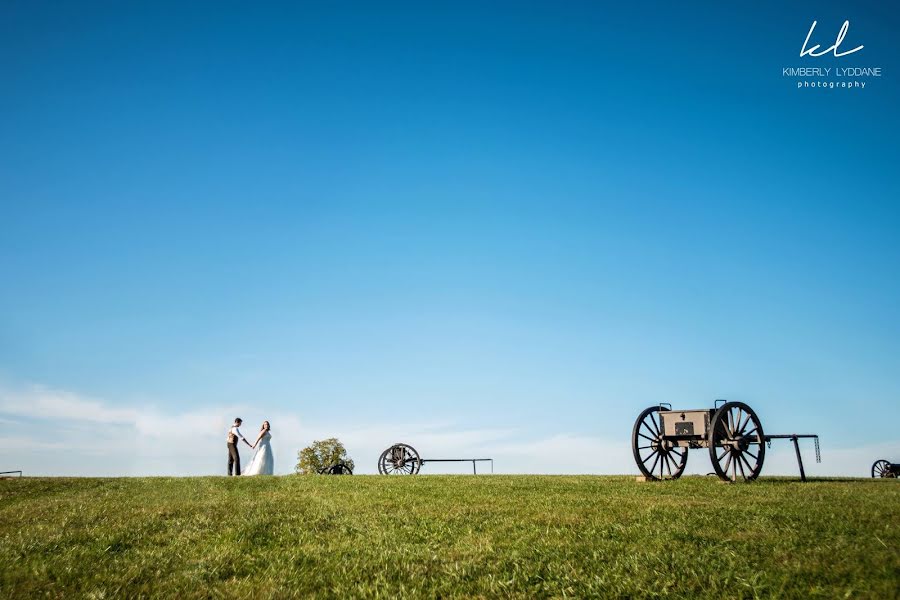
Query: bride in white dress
x: 263, y: 463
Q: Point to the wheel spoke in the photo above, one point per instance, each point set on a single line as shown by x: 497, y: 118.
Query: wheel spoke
x: 747, y: 462
x: 738, y: 462
x: 743, y: 424
x: 648, y: 458
x: 647, y: 438
x: 756, y: 458
x: 727, y: 463
x: 678, y: 460
x: 654, y: 463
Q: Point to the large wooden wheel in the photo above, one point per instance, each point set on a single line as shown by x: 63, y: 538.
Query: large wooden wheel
x: 399, y: 459
x: 882, y: 468
x: 656, y: 457
x: 737, y: 445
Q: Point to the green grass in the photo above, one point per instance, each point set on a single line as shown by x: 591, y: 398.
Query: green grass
x: 445, y: 536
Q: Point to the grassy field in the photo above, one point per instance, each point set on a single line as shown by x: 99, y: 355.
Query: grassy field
x: 446, y: 536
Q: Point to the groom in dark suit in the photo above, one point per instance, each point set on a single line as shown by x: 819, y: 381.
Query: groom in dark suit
x: 234, y: 457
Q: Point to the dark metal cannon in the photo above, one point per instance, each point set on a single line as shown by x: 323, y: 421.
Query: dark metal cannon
x: 338, y: 469
x: 403, y: 459
x: 883, y: 468
x: 732, y: 432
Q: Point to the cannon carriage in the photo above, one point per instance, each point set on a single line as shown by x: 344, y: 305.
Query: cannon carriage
x: 403, y: 459
x: 340, y: 468
x: 732, y: 433
x: 886, y: 469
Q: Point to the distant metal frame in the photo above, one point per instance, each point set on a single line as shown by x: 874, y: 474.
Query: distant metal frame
x: 472, y: 460
x: 794, y: 437
x: 10, y: 473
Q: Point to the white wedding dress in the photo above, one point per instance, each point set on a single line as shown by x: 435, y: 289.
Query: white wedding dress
x: 263, y: 463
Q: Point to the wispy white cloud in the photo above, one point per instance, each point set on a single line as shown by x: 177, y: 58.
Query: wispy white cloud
x: 38, y: 401
x: 20, y: 443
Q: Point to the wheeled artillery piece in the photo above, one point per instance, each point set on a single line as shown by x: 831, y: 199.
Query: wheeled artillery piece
x: 403, y: 459
x: 883, y: 468
x: 335, y: 469
x: 732, y: 432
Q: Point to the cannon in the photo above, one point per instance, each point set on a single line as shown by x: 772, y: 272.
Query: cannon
x: 732, y: 432
x: 336, y: 469
x: 403, y: 459
x: 883, y: 468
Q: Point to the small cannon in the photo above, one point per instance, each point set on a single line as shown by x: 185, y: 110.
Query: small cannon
x: 403, y: 459
x: 732, y: 432
x: 338, y: 469
x: 883, y: 468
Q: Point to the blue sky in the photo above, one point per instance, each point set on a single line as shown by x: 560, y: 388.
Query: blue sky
x: 500, y: 229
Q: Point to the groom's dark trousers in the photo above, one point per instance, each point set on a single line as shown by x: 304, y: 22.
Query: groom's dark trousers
x: 234, y: 459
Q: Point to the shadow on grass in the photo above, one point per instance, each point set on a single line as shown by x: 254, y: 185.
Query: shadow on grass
x: 785, y: 480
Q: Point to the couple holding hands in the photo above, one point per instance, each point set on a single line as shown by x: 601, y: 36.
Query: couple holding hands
x: 262, y: 463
